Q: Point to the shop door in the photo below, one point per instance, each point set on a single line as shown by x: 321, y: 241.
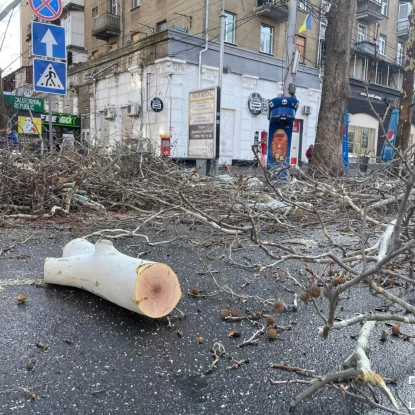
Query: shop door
x: 296, y: 142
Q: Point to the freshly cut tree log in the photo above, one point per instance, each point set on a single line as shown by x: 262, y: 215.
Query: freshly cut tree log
x: 145, y: 287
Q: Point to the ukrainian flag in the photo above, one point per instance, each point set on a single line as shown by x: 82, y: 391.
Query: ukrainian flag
x: 307, y: 23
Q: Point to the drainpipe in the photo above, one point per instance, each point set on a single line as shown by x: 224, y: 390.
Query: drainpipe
x: 95, y: 110
x: 207, y: 43
x: 122, y: 22
x: 94, y: 92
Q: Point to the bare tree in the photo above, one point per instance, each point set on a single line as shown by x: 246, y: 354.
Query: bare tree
x: 407, y: 91
x: 336, y: 91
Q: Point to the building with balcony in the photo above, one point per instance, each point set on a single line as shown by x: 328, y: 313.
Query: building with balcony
x: 277, y: 10
x: 106, y: 26
x: 139, y: 50
x: 370, y: 11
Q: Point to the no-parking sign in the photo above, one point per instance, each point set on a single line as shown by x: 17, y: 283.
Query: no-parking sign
x: 46, y: 9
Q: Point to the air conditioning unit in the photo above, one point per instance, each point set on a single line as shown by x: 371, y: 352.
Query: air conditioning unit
x: 133, y: 110
x: 109, y: 113
x: 306, y: 110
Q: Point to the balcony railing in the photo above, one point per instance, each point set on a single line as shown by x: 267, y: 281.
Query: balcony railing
x: 365, y: 47
x: 369, y: 11
x: 106, y: 26
x: 402, y: 30
x: 277, y: 10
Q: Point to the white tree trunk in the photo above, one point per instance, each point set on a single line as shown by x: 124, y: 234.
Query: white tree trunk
x: 144, y: 287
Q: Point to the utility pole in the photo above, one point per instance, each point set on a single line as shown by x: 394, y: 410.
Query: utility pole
x: 407, y: 91
x: 222, y: 43
x: 289, y: 60
x: 214, y: 165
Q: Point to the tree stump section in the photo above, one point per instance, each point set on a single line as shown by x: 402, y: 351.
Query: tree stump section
x: 145, y: 287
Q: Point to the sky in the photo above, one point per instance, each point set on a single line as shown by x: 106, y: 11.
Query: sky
x: 11, y: 34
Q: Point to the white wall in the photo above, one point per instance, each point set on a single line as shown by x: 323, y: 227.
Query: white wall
x: 171, y: 80
x: 73, y: 23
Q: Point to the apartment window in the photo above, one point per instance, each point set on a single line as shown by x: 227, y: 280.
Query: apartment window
x: 136, y: 3
x: 230, y: 21
x: 404, y: 11
x: 399, y: 54
x: 361, y: 33
x: 300, y: 44
x: 114, y: 7
x: 135, y: 37
x: 161, y: 26
x: 325, y: 8
x: 302, y: 5
x: 364, y: 65
x: 322, y: 53
x: 385, y: 7
x: 323, y: 28
x: 382, y: 45
x: 361, y: 140
x: 379, y: 78
x: 267, y: 33
x: 94, y: 12
x: 95, y: 53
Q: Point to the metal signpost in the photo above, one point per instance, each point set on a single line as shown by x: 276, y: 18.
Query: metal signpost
x: 49, y: 42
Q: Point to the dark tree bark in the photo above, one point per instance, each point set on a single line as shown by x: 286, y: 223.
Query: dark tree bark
x: 327, y: 158
x: 407, y: 91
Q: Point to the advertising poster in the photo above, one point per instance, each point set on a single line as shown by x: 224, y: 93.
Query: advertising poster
x: 29, y: 125
x: 203, y: 124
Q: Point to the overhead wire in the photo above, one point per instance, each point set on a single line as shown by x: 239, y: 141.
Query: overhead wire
x: 7, y: 28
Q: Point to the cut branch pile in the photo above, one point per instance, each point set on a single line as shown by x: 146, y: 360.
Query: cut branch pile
x: 376, y: 210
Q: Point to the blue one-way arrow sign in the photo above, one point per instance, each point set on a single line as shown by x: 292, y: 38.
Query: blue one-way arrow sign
x: 48, y: 40
x: 49, y: 76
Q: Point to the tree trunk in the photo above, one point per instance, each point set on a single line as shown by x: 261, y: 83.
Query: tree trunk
x: 407, y: 91
x: 144, y: 287
x: 327, y: 157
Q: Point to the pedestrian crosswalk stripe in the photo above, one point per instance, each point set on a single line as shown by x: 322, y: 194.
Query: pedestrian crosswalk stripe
x: 50, y: 79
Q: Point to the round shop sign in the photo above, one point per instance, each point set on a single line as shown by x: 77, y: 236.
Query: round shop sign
x: 156, y: 104
x: 255, y: 104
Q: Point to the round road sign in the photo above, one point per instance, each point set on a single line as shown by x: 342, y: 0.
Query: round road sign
x: 46, y: 9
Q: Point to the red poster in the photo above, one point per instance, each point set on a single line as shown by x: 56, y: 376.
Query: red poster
x: 296, y: 126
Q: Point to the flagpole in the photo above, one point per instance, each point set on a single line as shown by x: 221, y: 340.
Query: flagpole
x: 289, y: 59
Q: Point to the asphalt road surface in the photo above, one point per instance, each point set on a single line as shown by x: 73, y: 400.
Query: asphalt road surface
x: 102, y: 359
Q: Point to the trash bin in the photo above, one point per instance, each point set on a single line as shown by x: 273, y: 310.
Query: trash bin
x: 364, y: 162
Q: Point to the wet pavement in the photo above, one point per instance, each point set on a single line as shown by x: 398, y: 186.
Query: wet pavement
x: 102, y: 359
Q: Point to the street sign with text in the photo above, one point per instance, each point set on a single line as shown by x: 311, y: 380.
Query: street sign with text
x: 25, y: 103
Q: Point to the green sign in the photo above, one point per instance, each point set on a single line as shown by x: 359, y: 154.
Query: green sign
x: 25, y: 103
x: 62, y: 120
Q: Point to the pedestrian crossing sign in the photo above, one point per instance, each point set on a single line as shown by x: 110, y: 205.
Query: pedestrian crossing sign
x: 49, y: 76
